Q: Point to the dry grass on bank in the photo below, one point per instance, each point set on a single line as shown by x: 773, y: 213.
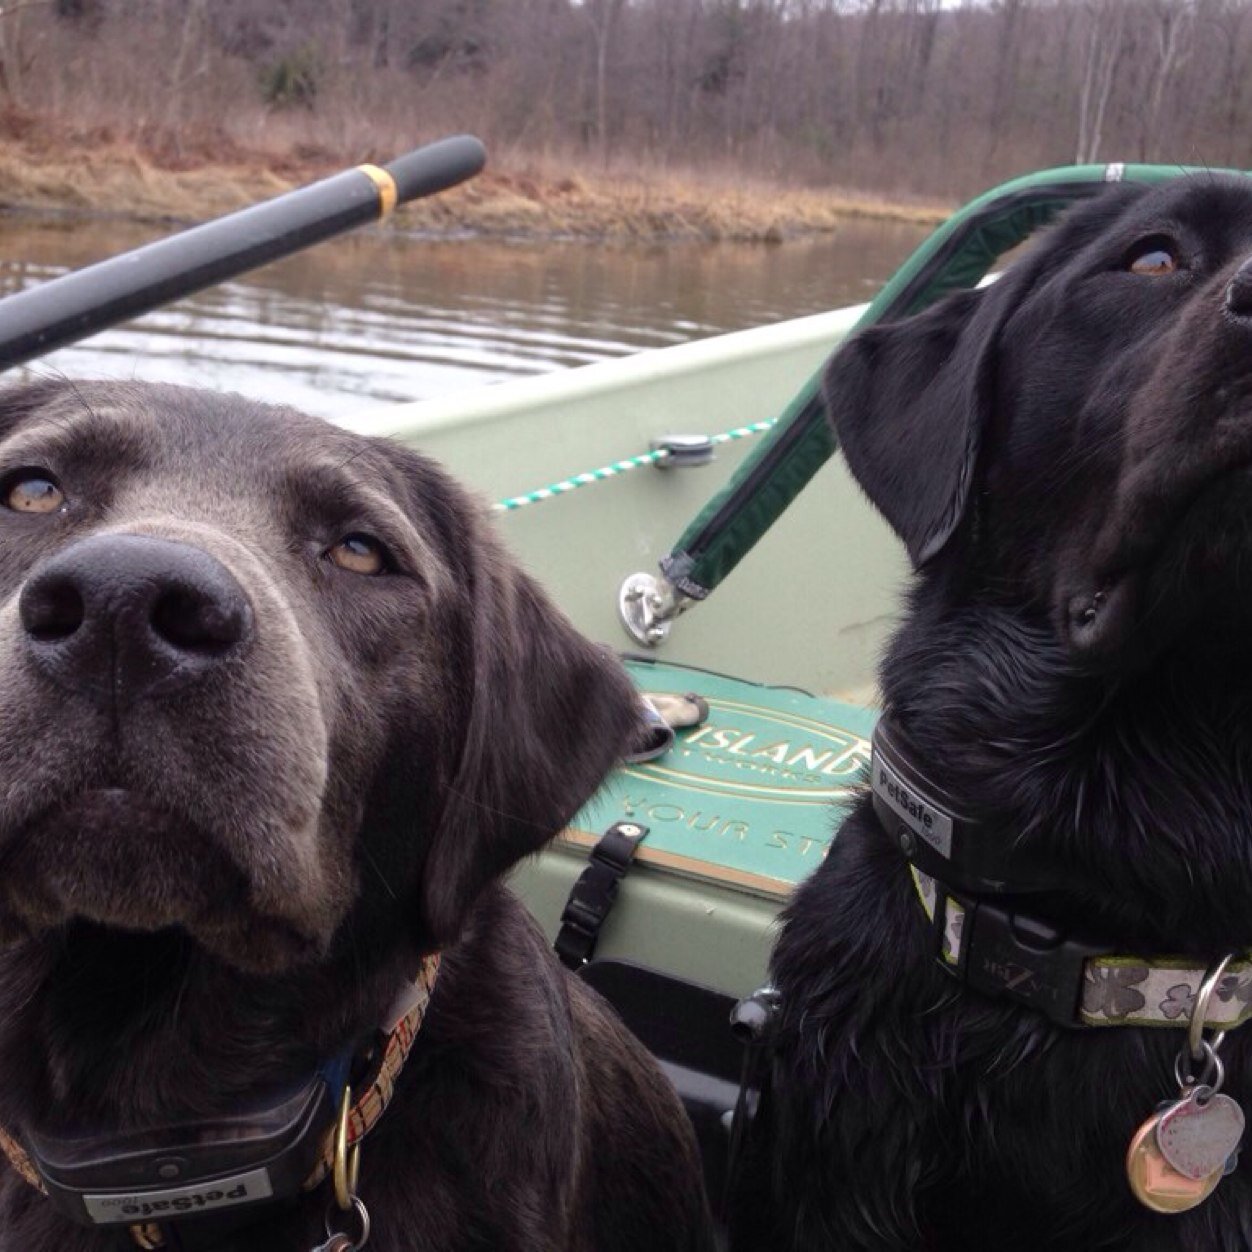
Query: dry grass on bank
x: 657, y: 206
x: 530, y: 199
x: 118, y: 181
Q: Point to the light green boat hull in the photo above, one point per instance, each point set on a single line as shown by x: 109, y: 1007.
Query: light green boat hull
x: 810, y: 607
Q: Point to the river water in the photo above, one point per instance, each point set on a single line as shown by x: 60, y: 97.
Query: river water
x: 380, y: 316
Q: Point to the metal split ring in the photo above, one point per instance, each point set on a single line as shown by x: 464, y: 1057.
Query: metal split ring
x: 346, y: 1166
x: 1211, y: 1076
x: 1200, y: 1011
x: 362, y: 1215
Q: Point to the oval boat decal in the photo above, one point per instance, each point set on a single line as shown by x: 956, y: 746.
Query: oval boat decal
x: 752, y: 798
x: 767, y: 754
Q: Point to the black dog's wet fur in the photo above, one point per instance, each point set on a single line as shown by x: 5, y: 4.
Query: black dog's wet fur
x: 467, y: 723
x: 1075, y: 428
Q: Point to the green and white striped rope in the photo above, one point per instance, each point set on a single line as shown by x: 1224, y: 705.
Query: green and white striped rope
x: 619, y: 467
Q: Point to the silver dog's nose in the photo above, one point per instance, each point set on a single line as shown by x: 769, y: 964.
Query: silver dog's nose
x: 116, y: 617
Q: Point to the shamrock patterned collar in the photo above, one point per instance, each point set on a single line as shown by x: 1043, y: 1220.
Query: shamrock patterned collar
x: 1075, y: 983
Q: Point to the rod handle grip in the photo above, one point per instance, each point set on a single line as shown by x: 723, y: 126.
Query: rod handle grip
x: 436, y: 167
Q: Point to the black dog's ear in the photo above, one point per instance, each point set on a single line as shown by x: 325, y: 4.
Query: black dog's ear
x: 909, y: 401
x: 550, y: 714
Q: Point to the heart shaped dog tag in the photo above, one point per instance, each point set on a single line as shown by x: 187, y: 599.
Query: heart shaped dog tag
x: 1197, y: 1136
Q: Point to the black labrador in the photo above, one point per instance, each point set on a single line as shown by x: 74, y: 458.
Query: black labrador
x: 1067, y: 455
x: 276, y: 714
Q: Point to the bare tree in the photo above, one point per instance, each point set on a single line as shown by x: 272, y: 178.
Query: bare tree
x: 931, y: 97
x: 602, y: 16
x: 16, y: 55
x: 1106, y: 36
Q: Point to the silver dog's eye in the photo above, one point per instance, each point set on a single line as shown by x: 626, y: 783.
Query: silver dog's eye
x: 1152, y: 258
x: 359, y: 554
x: 33, y: 492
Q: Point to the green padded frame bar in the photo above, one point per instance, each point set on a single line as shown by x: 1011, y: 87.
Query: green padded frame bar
x: 958, y: 255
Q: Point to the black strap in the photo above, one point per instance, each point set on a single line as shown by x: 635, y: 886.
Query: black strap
x: 592, y: 896
x: 943, y: 838
x: 753, y: 1023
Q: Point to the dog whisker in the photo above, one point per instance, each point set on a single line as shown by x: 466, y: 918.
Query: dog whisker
x: 351, y: 459
x: 378, y: 873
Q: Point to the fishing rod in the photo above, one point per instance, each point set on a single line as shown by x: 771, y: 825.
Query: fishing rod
x: 76, y: 305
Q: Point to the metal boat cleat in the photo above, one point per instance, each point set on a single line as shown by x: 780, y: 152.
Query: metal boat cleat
x: 684, y: 451
x: 647, y: 605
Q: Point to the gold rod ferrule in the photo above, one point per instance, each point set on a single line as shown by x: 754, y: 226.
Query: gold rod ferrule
x: 386, y: 188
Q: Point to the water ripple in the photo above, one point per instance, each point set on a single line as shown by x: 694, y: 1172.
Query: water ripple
x: 380, y: 318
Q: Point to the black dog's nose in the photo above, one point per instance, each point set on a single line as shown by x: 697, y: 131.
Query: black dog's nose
x: 115, y: 617
x: 1239, y: 293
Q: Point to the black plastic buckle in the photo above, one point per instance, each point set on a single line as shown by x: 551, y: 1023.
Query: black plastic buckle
x: 592, y: 895
x: 1011, y: 954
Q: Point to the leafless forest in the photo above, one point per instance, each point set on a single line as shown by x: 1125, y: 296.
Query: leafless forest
x: 892, y: 96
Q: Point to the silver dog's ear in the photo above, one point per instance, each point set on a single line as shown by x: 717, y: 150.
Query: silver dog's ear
x: 549, y: 715
x: 909, y: 401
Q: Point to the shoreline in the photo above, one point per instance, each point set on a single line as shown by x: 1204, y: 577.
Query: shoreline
x: 528, y: 201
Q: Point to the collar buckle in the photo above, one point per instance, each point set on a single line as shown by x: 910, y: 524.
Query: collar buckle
x: 1007, y: 953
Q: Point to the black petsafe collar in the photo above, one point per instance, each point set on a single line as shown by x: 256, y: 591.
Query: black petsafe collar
x: 187, y: 1188
x: 930, y: 829
x: 970, y: 877
x: 196, y: 1183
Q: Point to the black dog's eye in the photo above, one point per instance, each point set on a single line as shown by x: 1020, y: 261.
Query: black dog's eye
x: 1152, y: 257
x: 32, y: 491
x: 359, y: 554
